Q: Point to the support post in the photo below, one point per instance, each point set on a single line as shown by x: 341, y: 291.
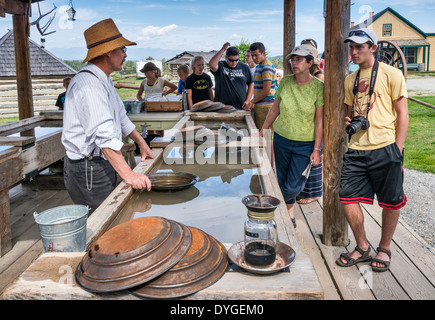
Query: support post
x: 22, y: 65
x: 289, y: 33
x: 337, y: 23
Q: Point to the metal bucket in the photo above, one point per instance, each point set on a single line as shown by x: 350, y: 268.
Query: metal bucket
x: 63, y: 229
x: 136, y: 106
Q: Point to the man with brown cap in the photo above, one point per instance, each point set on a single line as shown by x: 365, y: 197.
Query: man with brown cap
x: 95, y: 121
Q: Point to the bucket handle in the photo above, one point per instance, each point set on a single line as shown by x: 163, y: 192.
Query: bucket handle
x: 36, y: 214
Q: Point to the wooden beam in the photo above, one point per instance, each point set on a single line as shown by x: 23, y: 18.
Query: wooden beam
x: 12, y: 7
x: 2, y: 8
x: 289, y: 33
x: 335, y: 139
x: 22, y: 64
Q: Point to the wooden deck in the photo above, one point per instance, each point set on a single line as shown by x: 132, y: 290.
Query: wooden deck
x: 412, y: 274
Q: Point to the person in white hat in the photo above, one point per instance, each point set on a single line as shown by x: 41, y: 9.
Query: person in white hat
x: 377, y: 123
x: 95, y: 121
x: 298, y: 131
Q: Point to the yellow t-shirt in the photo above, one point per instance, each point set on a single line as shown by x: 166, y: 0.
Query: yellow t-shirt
x: 390, y: 85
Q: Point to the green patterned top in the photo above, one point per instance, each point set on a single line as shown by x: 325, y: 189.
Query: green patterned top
x: 298, y: 106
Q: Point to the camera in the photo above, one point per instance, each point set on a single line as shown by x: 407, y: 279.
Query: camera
x: 356, y: 124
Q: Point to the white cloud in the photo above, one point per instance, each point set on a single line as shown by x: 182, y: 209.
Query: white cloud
x: 252, y: 16
x: 151, y: 32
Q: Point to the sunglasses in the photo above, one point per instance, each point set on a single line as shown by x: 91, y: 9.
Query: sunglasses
x: 124, y: 50
x: 309, y: 41
x: 233, y: 60
x: 360, y: 33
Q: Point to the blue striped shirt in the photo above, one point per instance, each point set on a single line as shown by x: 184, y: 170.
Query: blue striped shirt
x: 265, y: 71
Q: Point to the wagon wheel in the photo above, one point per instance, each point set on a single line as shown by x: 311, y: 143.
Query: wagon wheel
x: 389, y: 53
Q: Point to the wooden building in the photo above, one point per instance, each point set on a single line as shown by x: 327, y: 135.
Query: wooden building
x: 47, y: 73
x: 186, y: 58
x: 417, y: 45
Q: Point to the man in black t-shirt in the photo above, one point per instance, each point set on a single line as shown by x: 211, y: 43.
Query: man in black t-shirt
x: 233, y: 79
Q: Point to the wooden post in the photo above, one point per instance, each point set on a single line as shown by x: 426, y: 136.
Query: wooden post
x: 5, y: 223
x: 337, y: 24
x: 22, y: 64
x: 289, y: 33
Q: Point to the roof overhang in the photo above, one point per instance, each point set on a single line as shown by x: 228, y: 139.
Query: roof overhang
x: 411, y: 42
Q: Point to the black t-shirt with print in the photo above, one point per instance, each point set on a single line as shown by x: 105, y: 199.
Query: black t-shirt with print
x: 232, y: 83
x: 200, y: 86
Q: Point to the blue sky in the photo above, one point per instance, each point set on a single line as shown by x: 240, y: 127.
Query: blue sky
x: 163, y: 28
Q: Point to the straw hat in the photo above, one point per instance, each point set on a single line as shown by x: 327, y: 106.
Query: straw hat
x: 104, y: 37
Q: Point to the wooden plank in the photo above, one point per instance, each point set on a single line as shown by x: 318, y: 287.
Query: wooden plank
x: 16, y: 141
x: 407, y: 263
x: 20, y: 123
x: 52, y: 277
x: 5, y: 223
x: 349, y: 281
x: 309, y: 245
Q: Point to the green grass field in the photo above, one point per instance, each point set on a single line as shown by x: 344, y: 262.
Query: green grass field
x: 420, y: 141
x: 419, y: 145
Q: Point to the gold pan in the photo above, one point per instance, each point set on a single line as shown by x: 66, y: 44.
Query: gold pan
x: 204, y: 264
x: 172, y: 181
x: 133, y: 253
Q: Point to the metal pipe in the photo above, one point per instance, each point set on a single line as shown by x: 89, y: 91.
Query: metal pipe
x: 119, y: 85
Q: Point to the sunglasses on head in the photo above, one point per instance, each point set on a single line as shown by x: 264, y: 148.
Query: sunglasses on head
x: 360, y: 33
x: 309, y: 41
x: 233, y: 60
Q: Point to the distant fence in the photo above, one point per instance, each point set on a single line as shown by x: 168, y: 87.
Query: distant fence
x: 45, y: 93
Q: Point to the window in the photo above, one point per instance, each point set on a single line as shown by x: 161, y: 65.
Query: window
x: 387, y: 30
x: 411, y: 55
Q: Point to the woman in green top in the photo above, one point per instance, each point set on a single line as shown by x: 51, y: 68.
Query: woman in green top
x: 298, y: 131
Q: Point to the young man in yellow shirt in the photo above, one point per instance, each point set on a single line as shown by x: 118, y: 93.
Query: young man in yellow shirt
x: 377, y: 121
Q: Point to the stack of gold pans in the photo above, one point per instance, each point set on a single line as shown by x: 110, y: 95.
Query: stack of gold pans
x: 204, y: 263
x: 152, y: 257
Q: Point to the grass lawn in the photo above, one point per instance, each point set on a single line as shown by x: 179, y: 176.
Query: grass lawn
x: 128, y: 93
x: 420, y: 141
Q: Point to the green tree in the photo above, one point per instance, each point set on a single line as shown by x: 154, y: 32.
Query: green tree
x: 243, y: 46
x: 75, y: 64
x: 129, y: 67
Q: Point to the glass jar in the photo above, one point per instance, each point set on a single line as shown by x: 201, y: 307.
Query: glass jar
x: 260, y: 239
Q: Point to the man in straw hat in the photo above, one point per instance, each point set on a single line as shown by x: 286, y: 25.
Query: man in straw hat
x: 95, y: 121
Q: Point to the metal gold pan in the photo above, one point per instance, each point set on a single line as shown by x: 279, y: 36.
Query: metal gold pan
x: 133, y: 253
x: 198, y: 269
x: 172, y: 181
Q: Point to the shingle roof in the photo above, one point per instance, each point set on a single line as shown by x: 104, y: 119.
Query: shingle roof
x: 178, y: 60
x: 42, y: 62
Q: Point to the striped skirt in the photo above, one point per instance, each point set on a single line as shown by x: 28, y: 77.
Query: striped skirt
x: 313, y: 187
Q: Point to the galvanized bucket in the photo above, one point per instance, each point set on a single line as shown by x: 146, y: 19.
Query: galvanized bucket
x: 63, y: 229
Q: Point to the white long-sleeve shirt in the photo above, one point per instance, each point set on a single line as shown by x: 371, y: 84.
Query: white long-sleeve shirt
x: 94, y: 115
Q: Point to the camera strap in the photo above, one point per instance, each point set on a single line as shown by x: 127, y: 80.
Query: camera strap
x: 371, y: 88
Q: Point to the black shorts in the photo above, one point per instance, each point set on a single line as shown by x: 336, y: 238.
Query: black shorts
x: 369, y: 172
